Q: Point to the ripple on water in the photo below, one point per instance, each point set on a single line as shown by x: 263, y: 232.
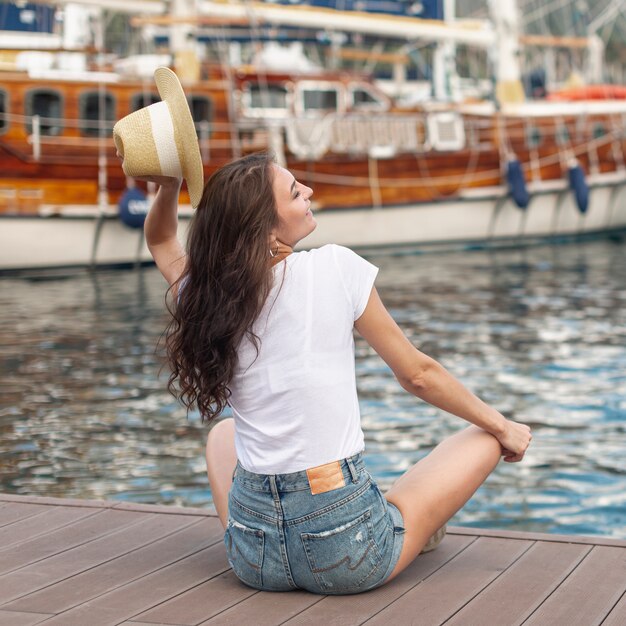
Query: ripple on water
x: 540, y: 333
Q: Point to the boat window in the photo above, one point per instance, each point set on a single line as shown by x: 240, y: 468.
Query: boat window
x: 268, y: 97
x: 48, y: 105
x: 201, y: 109
x: 362, y: 98
x: 4, y: 110
x: 260, y: 99
x: 320, y: 99
x: 143, y: 99
x: 533, y: 137
x: 95, y: 122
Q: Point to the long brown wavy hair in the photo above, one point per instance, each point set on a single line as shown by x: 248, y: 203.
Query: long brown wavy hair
x: 225, y: 283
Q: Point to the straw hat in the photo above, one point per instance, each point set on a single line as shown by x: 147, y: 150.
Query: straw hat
x: 160, y: 139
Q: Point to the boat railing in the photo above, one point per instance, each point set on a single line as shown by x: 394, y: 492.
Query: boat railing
x: 42, y: 132
x: 381, y: 136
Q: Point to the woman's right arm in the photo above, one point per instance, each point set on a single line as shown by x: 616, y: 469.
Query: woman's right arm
x: 161, y: 229
x: 429, y: 380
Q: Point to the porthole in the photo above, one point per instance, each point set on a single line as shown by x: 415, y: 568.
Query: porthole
x: 97, y: 114
x: 562, y: 135
x: 201, y: 109
x: 599, y: 130
x: 533, y: 137
x: 4, y: 111
x: 47, y: 104
x: 143, y: 99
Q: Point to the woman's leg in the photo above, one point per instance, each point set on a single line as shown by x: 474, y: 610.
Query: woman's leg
x: 436, y: 487
x: 221, y: 460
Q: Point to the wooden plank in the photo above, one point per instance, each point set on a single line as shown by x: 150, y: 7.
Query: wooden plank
x: 14, y: 618
x: 517, y: 534
x: 78, y: 589
x: 550, y: 41
x: 265, y: 609
x: 451, y: 587
x: 130, y: 537
x: 165, y: 508
x: 50, y: 501
x: 199, y: 20
x: 514, y: 595
x: 359, y: 54
x: 15, y: 512
x: 49, y: 520
x: 95, y: 524
x: 336, y: 610
x: 10, y: 499
x: 148, y: 591
x: 587, y: 595
x: 201, y: 602
x: 617, y: 616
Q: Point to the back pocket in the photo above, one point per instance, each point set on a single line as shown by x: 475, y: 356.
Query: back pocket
x: 342, y: 559
x: 244, y: 547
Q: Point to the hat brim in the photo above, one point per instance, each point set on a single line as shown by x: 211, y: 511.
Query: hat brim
x: 171, y: 92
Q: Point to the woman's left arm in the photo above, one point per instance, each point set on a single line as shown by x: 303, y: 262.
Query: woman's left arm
x: 427, y: 379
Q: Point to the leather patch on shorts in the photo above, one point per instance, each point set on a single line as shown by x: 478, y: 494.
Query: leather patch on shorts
x: 326, y: 477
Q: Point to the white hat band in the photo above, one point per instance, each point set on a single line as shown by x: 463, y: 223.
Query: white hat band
x: 163, y: 133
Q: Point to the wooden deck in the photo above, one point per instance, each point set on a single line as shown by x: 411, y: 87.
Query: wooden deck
x: 94, y: 562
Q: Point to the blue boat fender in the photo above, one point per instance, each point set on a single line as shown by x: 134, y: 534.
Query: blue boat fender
x: 517, y: 183
x: 579, y: 187
x: 133, y: 207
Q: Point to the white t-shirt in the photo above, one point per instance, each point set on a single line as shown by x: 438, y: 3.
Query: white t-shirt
x: 295, y: 403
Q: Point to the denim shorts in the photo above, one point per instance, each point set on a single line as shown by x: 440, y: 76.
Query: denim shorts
x: 280, y: 537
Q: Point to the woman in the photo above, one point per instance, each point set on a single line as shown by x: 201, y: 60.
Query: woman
x: 269, y: 332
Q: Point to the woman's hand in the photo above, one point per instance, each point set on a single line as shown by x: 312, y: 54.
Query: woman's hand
x: 514, y: 439
x: 162, y: 181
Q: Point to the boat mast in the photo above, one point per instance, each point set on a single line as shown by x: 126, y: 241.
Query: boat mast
x: 445, y: 85
x: 182, y: 40
x: 506, y: 51
x: 103, y: 191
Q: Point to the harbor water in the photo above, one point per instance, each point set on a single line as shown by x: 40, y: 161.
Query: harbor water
x: 539, y: 333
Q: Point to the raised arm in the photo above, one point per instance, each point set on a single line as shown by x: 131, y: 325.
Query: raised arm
x: 161, y: 229
x: 427, y: 379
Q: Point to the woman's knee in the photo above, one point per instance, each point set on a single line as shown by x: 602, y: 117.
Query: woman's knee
x: 475, y: 447
x: 487, y: 443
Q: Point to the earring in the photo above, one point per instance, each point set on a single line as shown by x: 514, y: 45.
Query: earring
x: 274, y: 253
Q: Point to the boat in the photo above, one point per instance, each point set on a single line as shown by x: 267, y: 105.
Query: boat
x: 387, y: 172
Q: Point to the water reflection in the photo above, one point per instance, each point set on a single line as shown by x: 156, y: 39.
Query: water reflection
x: 539, y: 333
